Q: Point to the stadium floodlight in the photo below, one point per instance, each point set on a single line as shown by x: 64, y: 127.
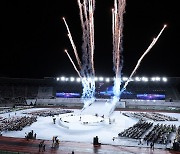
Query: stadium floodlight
x: 137, y: 79
x: 145, y: 79
x: 89, y: 79
x: 158, y: 79
x: 57, y: 79
x: 67, y: 79
x: 78, y: 79
x: 96, y: 78
x: 124, y: 78
x: 131, y: 79
x: 107, y: 79
x: 72, y: 79
x: 101, y: 79
x: 63, y: 78
x: 153, y: 79
x: 164, y: 79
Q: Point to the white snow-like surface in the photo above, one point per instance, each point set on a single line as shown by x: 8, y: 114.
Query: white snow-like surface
x: 76, y: 131
x: 101, y: 108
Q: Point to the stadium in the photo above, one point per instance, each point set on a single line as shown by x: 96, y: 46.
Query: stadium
x: 89, y: 113
x: 57, y: 105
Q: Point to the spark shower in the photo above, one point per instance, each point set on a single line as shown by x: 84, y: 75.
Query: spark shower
x: 85, y: 69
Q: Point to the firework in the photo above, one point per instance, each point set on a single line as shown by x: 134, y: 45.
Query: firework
x: 141, y: 58
x: 72, y: 63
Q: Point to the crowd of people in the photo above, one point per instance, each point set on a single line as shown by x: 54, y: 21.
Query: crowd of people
x: 160, y: 134
x: 178, y: 134
x: 13, y: 109
x: 30, y: 135
x: 151, y: 115
x: 49, y: 112
x: 176, y: 143
x: 16, y: 123
x: 137, y: 130
x: 146, y: 132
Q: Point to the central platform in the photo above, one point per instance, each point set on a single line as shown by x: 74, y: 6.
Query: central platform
x: 96, y: 114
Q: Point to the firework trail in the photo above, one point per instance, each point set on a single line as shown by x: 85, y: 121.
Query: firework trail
x: 141, y: 58
x: 91, y: 32
x: 73, y: 63
x: 72, y: 43
x: 117, y: 29
x: 87, y: 72
x: 87, y: 23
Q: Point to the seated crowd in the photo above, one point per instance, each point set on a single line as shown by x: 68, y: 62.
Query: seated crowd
x: 177, y: 139
x: 48, y: 112
x: 16, y: 123
x: 137, y: 130
x: 152, y: 115
x: 160, y: 133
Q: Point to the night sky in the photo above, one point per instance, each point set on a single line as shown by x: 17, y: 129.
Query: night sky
x: 33, y: 38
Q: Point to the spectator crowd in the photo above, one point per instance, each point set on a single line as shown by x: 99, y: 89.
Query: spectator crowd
x: 16, y: 123
x: 150, y: 116
x: 49, y: 112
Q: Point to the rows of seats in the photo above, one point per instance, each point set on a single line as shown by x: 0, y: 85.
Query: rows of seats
x: 151, y: 115
x: 137, y: 130
x: 160, y: 133
x: 14, y: 101
x: 15, y: 123
x: 48, y: 112
x: 8, y: 91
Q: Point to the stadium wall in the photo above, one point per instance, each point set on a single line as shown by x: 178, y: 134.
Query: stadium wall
x: 151, y: 103
x: 121, y: 104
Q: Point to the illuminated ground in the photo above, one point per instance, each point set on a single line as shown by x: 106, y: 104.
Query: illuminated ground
x: 80, y: 132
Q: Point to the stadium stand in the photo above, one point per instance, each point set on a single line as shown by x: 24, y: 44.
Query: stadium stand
x: 17, y: 91
x: 45, y: 92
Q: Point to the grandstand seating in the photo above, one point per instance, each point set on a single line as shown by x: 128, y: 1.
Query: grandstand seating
x: 47, y: 88
x: 45, y: 92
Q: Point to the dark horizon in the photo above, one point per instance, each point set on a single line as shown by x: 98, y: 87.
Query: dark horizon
x: 34, y: 38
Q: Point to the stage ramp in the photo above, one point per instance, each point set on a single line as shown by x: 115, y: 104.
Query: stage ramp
x: 99, y: 108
